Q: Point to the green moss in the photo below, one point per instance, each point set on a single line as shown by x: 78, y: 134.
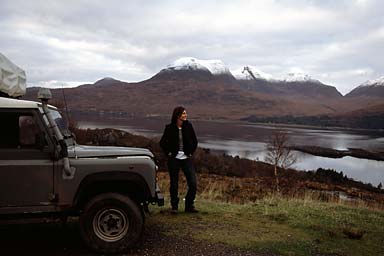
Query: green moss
x: 281, y: 226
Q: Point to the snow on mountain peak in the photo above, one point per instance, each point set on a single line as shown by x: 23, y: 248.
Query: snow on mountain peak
x: 299, y: 77
x: 375, y: 82
x: 216, y: 67
x: 186, y: 63
x: 251, y: 72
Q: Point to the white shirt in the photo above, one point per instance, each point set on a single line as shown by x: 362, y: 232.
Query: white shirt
x: 180, y: 154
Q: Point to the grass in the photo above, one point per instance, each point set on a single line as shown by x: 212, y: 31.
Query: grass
x: 280, y: 226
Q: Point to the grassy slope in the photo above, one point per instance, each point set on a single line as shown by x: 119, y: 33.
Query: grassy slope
x: 281, y: 226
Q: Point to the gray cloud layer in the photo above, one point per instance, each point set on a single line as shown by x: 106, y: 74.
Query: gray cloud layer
x: 69, y: 42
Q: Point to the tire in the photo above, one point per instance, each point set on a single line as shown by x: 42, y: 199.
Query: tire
x: 111, y: 223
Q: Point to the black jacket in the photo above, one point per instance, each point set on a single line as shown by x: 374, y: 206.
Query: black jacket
x: 170, y: 140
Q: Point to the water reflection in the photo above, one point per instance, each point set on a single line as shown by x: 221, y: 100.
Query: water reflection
x: 368, y: 171
x: 243, y: 149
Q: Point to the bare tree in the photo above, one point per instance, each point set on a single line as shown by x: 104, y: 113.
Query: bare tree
x: 279, y: 154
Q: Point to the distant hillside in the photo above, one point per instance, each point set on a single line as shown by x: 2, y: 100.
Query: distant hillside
x: 294, y: 84
x: 185, y: 69
x: 371, y: 117
x: 289, y: 89
x: 370, y: 91
x: 373, y: 88
x: 182, y: 75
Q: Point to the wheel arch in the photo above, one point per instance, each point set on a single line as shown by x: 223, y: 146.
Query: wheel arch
x: 126, y: 183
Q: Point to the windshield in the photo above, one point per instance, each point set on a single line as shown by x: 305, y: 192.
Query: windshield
x: 61, y: 123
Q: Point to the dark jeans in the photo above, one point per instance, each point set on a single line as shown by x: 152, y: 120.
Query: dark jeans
x: 174, y: 165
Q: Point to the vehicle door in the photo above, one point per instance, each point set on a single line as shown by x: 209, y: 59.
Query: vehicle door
x: 26, y: 159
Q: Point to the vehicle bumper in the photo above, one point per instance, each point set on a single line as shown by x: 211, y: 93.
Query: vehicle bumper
x: 159, y: 200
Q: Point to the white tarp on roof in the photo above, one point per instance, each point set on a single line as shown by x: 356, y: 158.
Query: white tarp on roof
x: 12, y: 78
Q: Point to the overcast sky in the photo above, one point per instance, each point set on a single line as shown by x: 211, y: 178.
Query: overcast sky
x: 68, y: 43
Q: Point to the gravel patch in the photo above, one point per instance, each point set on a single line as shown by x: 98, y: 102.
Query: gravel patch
x: 62, y: 240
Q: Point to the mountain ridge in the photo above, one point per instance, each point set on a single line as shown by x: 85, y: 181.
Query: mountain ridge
x: 371, y: 88
x: 212, y: 96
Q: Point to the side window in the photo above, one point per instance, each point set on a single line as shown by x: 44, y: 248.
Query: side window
x: 28, y: 132
x: 20, y: 131
x: 9, y: 135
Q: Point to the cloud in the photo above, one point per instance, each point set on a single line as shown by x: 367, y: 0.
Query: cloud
x: 82, y: 40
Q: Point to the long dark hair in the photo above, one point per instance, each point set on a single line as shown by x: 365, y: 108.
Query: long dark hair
x: 177, y: 113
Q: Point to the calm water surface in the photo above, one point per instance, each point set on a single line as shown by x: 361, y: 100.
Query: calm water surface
x: 249, y: 140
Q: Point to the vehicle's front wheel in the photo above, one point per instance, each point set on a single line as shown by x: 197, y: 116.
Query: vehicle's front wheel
x: 111, y: 223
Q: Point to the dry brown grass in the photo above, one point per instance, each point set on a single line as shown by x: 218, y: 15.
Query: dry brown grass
x: 248, y: 190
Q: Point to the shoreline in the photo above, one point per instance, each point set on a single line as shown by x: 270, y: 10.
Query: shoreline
x: 334, y: 153
x: 103, y: 115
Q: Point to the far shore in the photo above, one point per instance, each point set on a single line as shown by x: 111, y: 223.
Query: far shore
x: 118, y: 116
x: 334, y: 153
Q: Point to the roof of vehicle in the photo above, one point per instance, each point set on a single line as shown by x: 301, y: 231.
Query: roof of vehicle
x: 15, y: 103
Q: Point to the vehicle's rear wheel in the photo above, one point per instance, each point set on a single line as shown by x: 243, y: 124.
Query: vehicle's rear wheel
x: 111, y: 223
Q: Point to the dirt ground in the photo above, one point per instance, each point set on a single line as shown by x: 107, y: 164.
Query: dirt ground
x: 57, y: 239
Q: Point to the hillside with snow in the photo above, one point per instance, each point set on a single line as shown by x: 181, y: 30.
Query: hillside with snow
x: 248, y: 72
x: 210, y: 90
x: 251, y: 73
x: 375, y: 82
x: 371, y: 88
x: 249, y: 78
x: 299, y: 77
x: 292, y: 85
x: 215, y: 67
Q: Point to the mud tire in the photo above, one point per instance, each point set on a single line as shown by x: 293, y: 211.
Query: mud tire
x: 111, y: 223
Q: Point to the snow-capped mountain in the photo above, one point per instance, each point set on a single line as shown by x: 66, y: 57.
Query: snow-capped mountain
x: 251, y: 73
x: 186, y: 63
x: 216, y: 67
x: 250, y: 78
x: 375, y: 82
x: 299, y: 77
x: 371, y: 88
x: 293, y: 84
x: 192, y: 69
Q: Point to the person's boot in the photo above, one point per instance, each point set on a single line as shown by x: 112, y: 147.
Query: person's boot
x: 174, y: 210
x: 175, y: 205
x: 191, y: 209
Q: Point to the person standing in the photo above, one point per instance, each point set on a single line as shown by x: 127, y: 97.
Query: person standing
x: 179, y: 142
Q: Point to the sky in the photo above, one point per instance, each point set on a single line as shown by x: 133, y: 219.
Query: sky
x: 72, y: 42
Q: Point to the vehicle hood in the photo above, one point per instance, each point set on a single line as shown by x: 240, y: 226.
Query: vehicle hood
x: 81, y: 151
